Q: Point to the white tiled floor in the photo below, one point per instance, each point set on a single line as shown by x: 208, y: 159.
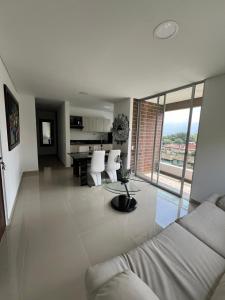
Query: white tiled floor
x: 60, y: 228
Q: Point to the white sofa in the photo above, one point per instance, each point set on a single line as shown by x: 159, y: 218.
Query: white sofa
x: 186, y: 261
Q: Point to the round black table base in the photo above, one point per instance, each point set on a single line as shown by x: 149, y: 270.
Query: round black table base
x: 124, y: 203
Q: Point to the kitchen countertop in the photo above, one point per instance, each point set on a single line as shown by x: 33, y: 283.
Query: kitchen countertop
x: 88, y: 142
x: 79, y: 155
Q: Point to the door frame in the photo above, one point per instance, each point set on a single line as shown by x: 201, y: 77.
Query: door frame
x: 164, y: 94
x: 2, y: 183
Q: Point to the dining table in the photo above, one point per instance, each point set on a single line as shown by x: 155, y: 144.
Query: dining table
x: 80, y: 164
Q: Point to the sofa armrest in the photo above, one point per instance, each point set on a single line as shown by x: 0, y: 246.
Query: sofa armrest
x: 125, y: 285
x: 99, y: 274
x: 213, y: 198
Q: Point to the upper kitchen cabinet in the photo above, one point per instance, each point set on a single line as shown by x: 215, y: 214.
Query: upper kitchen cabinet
x: 99, y: 123
x: 96, y: 124
x: 107, y: 124
x: 86, y: 124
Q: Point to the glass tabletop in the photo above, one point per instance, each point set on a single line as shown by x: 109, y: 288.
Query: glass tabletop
x: 118, y: 187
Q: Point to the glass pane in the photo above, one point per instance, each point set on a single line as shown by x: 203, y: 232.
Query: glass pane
x: 199, y: 90
x: 46, y: 133
x: 191, y: 151
x: 174, y: 140
x: 160, y: 116
x: 178, y: 96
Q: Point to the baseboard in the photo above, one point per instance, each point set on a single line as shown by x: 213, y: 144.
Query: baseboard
x: 28, y: 173
x: 24, y: 174
x: 14, y: 204
x: 194, y: 201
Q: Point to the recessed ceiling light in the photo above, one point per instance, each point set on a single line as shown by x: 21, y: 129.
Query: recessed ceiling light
x: 83, y: 93
x: 166, y: 30
x: 107, y: 106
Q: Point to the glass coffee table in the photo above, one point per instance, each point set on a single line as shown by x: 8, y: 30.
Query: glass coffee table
x: 123, y: 202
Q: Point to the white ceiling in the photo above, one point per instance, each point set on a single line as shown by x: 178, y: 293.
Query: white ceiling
x: 55, y: 49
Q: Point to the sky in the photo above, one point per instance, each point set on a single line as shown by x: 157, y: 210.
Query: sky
x: 181, y: 116
x: 177, y: 121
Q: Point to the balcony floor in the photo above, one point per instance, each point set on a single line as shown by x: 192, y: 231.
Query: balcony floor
x: 172, y: 184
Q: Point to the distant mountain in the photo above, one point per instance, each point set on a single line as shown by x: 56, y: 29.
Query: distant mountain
x: 172, y: 128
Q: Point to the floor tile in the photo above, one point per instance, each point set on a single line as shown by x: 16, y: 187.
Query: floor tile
x: 59, y: 229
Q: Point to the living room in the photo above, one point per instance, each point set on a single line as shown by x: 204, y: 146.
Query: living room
x: 112, y: 150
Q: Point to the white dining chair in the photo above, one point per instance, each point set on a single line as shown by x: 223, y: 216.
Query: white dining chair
x: 97, y: 166
x: 113, y: 165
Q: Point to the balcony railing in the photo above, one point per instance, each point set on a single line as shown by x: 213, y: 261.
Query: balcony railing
x: 175, y: 171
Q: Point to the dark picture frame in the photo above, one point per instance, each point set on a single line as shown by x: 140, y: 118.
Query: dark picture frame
x: 12, y: 118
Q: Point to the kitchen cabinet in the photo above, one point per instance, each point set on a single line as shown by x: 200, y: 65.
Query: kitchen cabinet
x: 85, y: 123
x: 85, y: 148
x: 107, y: 125
x: 94, y: 124
x: 79, y: 148
x: 99, y: 124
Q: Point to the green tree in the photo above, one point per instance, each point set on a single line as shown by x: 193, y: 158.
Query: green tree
x: 179, y: 141
x: 193, y: 138
x: 166, y: 141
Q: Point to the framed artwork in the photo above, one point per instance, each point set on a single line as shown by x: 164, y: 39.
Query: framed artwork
x: 12, y: 119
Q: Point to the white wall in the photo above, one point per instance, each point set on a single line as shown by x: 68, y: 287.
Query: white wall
x: 64, y: 133
x: 28, y: 133
x: 15, y: 159
x: 125, y: 107
x: 209, y: 169
x: 79, y: 111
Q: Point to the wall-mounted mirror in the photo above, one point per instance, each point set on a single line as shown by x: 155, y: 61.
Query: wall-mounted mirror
x: 46, y: 132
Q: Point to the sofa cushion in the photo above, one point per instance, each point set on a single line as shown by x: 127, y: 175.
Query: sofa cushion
x: 177, y: 265
x: 221, y: 202
x: 213, y: 198
x: 125, y: 286
x: 99, y: 274
x: 219, y: 293
x: 207, y: 222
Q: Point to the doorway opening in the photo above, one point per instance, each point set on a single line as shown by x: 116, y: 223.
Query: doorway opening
x: 166, y: 138
x: 47, y: 136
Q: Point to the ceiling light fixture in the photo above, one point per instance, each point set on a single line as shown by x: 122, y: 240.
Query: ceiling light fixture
x: 166, y: 30
x: 83, y: 93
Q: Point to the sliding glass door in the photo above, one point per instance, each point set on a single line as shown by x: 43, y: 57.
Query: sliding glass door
x: 167, y: 138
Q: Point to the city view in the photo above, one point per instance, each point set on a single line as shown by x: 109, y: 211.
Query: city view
x: 175, y: 134
x: 173, y: 149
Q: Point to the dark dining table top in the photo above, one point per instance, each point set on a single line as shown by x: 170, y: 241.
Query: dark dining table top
x: 83, y: 155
